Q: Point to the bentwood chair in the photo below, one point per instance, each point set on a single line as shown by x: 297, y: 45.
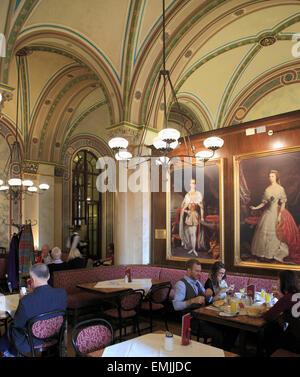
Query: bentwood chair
x: 92, y: 335
x: 126, y: 311
x: 44, y: 333
x: 157, y: 302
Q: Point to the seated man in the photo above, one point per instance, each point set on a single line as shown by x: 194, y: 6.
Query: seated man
x: 41, y: 300
x: 189, y: 295
x: 46, y: 257
x: 57, y: 264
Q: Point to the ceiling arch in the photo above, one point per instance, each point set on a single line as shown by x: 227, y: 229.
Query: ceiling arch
x: 222, y: 56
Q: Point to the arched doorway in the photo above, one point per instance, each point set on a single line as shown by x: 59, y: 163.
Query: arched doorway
x: 86, y: 201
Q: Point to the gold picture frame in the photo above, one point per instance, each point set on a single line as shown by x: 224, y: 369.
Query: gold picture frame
x: 212, y: 247
x: 262, y: 183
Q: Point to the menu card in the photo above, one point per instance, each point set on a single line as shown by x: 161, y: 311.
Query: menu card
x: 128, y: 273
x: 251, y: 291
x: 185, y: 329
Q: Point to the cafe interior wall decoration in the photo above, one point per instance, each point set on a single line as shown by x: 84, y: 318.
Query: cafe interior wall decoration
x: 267, y: 209
x: 284, y: 140
x: 195, y: 212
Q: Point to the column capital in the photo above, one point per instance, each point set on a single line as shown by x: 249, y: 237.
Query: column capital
x: 132, y: 132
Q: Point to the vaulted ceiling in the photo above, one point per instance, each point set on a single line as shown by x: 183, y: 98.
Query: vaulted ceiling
x: 91, y: 65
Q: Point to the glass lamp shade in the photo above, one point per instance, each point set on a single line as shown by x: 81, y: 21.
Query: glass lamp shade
x: 1, y: 182
x: 4, y: 188
x: 32, y: 189
x: 213, y: 142
x: 204, y: 155
x: 27, y: 183
x: 118, y: 143
x: 123, y: 155
x: 169, y: 135
x: 1, y: 97
x: 44, y: 186
x: 15, y: 182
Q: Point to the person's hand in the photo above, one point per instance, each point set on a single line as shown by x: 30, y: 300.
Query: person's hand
x: 225, y: 289
x: 252, y: 207
x: 208, y: 292
x: 198, y: 300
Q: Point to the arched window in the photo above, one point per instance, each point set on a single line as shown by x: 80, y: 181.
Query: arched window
x: 86, y: 200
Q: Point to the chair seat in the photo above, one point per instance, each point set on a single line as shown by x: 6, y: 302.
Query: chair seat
x: 92, y: 335
x: 124, y: 314
x: 146, y: 306
x: 46, y: 344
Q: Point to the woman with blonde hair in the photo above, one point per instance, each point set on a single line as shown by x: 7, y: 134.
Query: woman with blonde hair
x: 75, y: 259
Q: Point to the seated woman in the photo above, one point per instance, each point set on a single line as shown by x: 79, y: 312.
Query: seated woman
x: 109, y: 260
x: 75, y: 259
x: 216, y: 283
x: 283, y: 330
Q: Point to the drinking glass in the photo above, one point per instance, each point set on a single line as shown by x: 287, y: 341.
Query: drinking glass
x: 267, y: 297
x: 233, y: 306
x: 263, y: 293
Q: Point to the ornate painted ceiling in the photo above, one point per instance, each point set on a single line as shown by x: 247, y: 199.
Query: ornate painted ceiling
x: 91, y: 66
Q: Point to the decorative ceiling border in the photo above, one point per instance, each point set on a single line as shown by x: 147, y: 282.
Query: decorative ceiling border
x: 287, y: 74
x: 181, y: 32
x: 233, y: 81
x: 21, y: 18
x: 83, y: 141
x: 129, y: 56
x: 79, y: 119
x: 190, y: 98
x: 56, y: 101
x: 108, y: 77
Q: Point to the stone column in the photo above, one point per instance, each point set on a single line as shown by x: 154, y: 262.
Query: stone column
x: 46, y: 206
x: 132, y: 207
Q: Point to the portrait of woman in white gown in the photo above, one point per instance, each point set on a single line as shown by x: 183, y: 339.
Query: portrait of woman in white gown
x: 276, y: 235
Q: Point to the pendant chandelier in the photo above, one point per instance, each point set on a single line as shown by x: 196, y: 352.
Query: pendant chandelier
x: 12, y: 182
x: 167, y: 139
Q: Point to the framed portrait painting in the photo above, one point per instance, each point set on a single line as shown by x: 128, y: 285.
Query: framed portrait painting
x: 195, y: 227
x: 267, y: 209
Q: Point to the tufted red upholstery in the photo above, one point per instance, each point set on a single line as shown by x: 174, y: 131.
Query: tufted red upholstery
x: 93, y: 338
x: 92, y: 335
x: 47, y: 327
x: 265, y: 284
x: 171, y: 275
x: 68, y: 279
x: 140, y: 271
x: 239, y: 282
x: 77, y: 299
